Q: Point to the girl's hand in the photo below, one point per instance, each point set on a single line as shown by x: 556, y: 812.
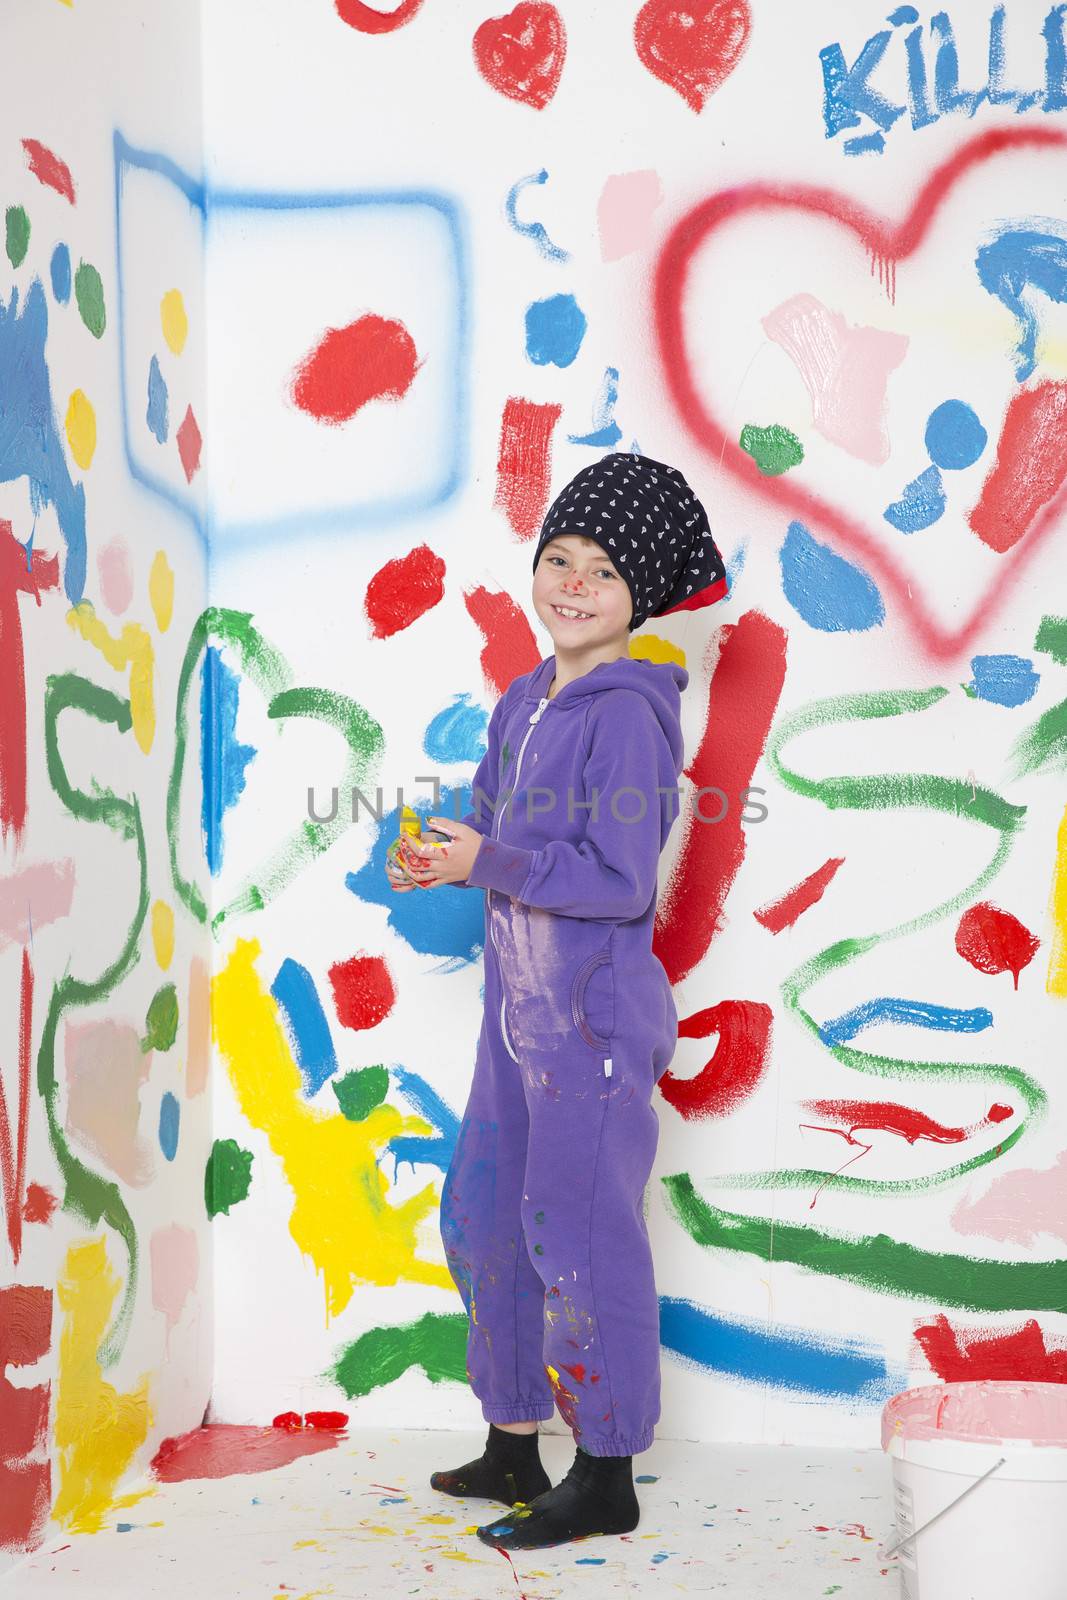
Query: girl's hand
x: 448, y: 863
x: 398, y: 881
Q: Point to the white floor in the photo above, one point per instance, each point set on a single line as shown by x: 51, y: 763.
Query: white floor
x: 361, y: 1521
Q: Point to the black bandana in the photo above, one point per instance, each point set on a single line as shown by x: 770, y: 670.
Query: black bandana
x: 652, y: 526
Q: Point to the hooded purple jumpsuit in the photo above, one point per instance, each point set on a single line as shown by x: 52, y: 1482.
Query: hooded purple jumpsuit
x: 542, y: 1208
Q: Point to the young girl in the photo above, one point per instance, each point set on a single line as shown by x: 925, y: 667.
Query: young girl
x: 542, y: 1210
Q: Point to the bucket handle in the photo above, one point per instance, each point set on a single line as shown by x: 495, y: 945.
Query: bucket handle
x: 915, y: 1534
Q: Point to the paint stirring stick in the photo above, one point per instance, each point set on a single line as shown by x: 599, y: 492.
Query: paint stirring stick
x: 909, y: 1537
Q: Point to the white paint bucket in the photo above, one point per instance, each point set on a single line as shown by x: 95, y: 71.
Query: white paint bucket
x: 1009, y: 1533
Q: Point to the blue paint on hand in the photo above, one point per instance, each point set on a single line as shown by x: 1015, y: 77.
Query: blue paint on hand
x: 555, y: 329
x: 830, y: 593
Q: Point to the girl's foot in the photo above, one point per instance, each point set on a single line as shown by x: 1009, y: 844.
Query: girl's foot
x: 509, y: 1470
x: 596, y: 1497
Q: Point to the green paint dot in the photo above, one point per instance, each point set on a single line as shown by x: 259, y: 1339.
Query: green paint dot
x: 227, y: 1176
x: 359, y: 1092
x: 539, y: 1249
x: 539, y: 1216
x: 18, y: 235
x: 1052, y: 639
x: 972, y: 694
x: 89, y: 293
x: 161, y: 1022
x: 773, y: 449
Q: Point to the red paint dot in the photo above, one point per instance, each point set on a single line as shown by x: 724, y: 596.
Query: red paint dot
x: 692, y: 47
x: 190, y: 444
x: 327, y: 1421
x: 373, y: 358
x: 404, y: 590
x: 363, y: 991
x: 368, y: 19
x: 289, y: 1421
x: 39, y: 1203
x: 521, y: 55
x: 994, y: 941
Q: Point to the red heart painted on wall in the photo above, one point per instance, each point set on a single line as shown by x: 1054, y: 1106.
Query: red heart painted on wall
x: 521, y: 55
x: 890, y: 245
x: 693, y: 47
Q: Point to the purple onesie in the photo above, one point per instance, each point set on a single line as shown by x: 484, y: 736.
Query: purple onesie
x: 541, y: 1212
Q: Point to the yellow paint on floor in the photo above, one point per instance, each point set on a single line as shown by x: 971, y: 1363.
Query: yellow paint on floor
x: 132, y: 648
x: 161, y: 590
x: 342, y: 1216
x: 1056, y: 982
x: 98, y: 1431
x: 174, y: 320
x: 81, y: 429
x: 163, y: 933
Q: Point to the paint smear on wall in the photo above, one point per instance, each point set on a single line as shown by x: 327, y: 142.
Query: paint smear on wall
x: 306, y: 1023
x: 89, y: 294
x: 115, y: 572
x: 1019, y: 1206
x: 783, y: 912
x: 533, y: 230
x: 555, y: 328
x: 368, y: 19
x: 692, y: 45
x: 174, y: 320
x: 523, y: 467
x: 1056, y: 978
x: 994, y: 941
x: 106, y: 1071
x: 624, y: 212
x: 521, y: 55
x: 435, y: 1342
x: 845, y: 371
x: 98, y: 1430
x: 363, y: 991
x: 342, y: 1218
x: 132, y: 648
x: 1030, y: 468
x: 403, y: 590
x: 227, y: 1176
x: 510, y: 647
x: 34, y: 897
x: 198, y: 1031
x: 21, y: 573
x: 1003, y: 680
x: 373, y: 358
x: 830, y: 593
x: 47, y: 167
x: 161, y: 590
x: 1021, y: 1354
x: 175, y: 1259
x: 190, y: 444
x: 25, y: 1470
x: 222, y: 1450
x: 162, y: 933
x: 223, y: 758
x: 737, y: 1064
x: 80, y: 428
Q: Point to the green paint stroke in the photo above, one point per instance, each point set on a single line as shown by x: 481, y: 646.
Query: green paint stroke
x: 873, y: 1261
x: 1043, y: 746
x: 359, y: 1092
x: 227, y: 1176
x: 87, y: 1194
x: 1052, y: 639
x: 161, y: 1022
x: 18, y: 235
x: 774, y: 449
x: 881, y: 792
x: 89, y: 293
x: 437, y: 1343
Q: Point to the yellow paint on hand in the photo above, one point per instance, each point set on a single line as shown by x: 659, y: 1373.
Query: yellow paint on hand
x: 342, y: 1217
x: 1056, y: 982
x: 132, y: 648
x: 174, y: 320
x: 97, y: 1430
x: 163, y: 933
x: 161, y: 590
x: 81, y: 429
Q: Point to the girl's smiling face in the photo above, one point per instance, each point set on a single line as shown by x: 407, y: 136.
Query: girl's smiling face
x: 575, y: 574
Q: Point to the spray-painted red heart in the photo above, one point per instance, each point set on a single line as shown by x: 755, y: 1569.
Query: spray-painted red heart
x: 692, y: 46
x: 521, y: 55
x: 889, y: 245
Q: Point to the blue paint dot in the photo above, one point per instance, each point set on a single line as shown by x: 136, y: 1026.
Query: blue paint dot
x: 954, y: 436
x: 60, y: 271
x: 156, y: 415
x: 920, y: 506
x: 555, y: 329
x: 170, y: 1116
x: 123, y: 1527
x: 828, y: 592
x: 1004, y: 680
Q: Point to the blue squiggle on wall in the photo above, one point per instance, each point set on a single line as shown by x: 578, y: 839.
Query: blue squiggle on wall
x: 1021, y: 259
x: 222, y: 759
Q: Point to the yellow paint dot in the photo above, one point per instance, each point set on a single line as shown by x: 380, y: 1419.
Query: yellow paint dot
x: 163, y: 933
x: 175, y: 322
x: 81, y: 429
x: 652, y: 647
x: 161, y: 590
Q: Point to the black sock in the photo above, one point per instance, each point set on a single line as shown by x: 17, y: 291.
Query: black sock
x: 510, y: 1470
x: 597, y: 1496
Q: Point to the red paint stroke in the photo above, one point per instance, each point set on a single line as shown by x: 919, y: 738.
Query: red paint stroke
x: 521, y: 55
x: 403, y: 590
x: 692, y: 45
x: 39, y: 1205
x: 48, y: 168
x: 20, y: 573
x: 738, y: 1063
x: 1019, y: 1355
x: 373, y: 358
x: 1030, y: 468
x: 523, y: 468
x: 25, y: 1471
x: 743, y: 696
x: 13, y: 1161
x: 327, y: 1421
x: 886, y: 1116
x: 290, y: 1421
x: 190, y: 444
x: 782, y: 913
x: 366, y: 20
x: 994, y: 941
x: 363, y: 991
x: 510, y: 647
x: 222, y: 1450
x: 886, y: 245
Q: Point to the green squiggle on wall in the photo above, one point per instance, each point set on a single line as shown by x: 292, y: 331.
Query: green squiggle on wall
x: 436, y: 1342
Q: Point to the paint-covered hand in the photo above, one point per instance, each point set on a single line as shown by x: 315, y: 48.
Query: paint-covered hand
x: 449, y: 863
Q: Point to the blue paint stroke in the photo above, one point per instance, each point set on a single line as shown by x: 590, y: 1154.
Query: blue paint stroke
x: 1003, y: 680
x: 947, y: 92
x: 156, y: 415
x: 59, y: 272
x: 735, y: 566
x: 921, y: 504
x: 427, y: 1103
x: 914, y: 1013
x: 954, y: 436
x: 756, y: 1351
x: 606, y: 431
x: 1019, y: 259
x: 222, y: 759
x: 170, y: 1117
x: 555, y: 328
x: 305, y: 1023
x: 847, y: 94
x: 458, y: 733
x: 31, y: 445
x: 532, y: 230
x: 826, y: 590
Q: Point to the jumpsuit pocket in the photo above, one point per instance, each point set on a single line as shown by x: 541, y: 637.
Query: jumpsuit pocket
x: 593, y: 1000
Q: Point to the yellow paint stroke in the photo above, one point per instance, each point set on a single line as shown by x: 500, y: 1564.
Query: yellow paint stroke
x: 438, y: 1518
x: 98, y: 1431
x: 132, y: 648
x: 342, y: 1218
x: 651, y: 647
x: 1056, y: 982
x: 174, y: 320
x: 81, y: 429
x: 163, y: 933
x: 161, y: 590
